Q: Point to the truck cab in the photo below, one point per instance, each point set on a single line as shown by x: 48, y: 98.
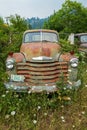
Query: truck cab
x: 80, y: 40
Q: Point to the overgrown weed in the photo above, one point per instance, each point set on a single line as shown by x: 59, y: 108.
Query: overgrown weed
x: 64, y: 110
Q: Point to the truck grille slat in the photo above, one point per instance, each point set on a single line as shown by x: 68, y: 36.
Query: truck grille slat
x: 47, y: 81
x: 41, y: 73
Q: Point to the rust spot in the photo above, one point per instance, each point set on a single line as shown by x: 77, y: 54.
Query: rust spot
x: 67, y: 57
x: 46, y: 51
x: 40, y: 49
x: 18, y: 57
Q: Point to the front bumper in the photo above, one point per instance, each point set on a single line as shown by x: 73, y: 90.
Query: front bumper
x: 24, y: 87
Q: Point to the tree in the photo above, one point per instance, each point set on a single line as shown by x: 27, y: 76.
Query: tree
x: 4, y: 31
x: 17, y: 23
x: 17, y: 26
x: 72, y: 17
x: 11, y: 33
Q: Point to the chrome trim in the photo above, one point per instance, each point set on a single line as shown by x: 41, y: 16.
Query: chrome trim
x: 41, y: 58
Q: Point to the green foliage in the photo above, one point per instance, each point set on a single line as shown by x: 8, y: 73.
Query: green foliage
x: 18, y: 24
x: 10, y: 39
x: 4, y: 34
x: 11, y: 34
x: 70, y: 18
x: 67, y: 47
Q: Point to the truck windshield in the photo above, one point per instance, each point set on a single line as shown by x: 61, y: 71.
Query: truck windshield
x: 83, y: 38
x: 40, y: 37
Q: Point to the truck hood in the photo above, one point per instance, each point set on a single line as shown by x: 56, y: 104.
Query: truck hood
x: 47, y: 49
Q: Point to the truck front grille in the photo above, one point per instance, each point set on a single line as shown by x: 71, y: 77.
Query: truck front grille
x: 43, y: 72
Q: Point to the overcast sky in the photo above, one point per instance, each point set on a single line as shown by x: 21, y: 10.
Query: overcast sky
x: 32, y: 8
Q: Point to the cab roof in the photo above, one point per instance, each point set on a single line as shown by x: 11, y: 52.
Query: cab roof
x: 41, y: 30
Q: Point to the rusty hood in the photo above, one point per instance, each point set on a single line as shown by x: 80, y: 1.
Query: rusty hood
x: 31, y: 50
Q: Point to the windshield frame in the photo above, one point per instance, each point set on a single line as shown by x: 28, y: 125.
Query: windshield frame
x: 40, y: 36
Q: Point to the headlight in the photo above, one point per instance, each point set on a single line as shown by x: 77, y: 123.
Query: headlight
x: 10, y: 64
x: 74, y: 62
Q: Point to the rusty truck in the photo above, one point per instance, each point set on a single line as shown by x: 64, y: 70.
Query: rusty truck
x: 40, y: 64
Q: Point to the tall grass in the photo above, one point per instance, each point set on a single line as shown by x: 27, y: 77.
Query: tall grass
x: 31, y: 111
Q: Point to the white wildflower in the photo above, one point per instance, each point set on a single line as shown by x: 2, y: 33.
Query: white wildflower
x: 62, y: 117
x: 83, y: 112
x: 7, y: 91
x: 45, y: 114
x: 19, y: 99
x: 79, y: 120
x: 62, y: 106
x: 34, y: 115
x: 13, y: 113
x: 64, y: 88
x: 34, y: 121
x: 39, y: 107
x: 29, y: 92
x: 70, y: 87
x: 54, y: 86
x: 7, y: 116
x: 69, y: 70
x: 3, y: 95
x: 68, y: 98
x: 48, y: 93
x: 63, y: 120
x: 73, y: 126
x: 86, y: 85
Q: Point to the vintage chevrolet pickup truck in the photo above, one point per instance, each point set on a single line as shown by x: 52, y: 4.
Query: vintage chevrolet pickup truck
x: 40, y: 64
